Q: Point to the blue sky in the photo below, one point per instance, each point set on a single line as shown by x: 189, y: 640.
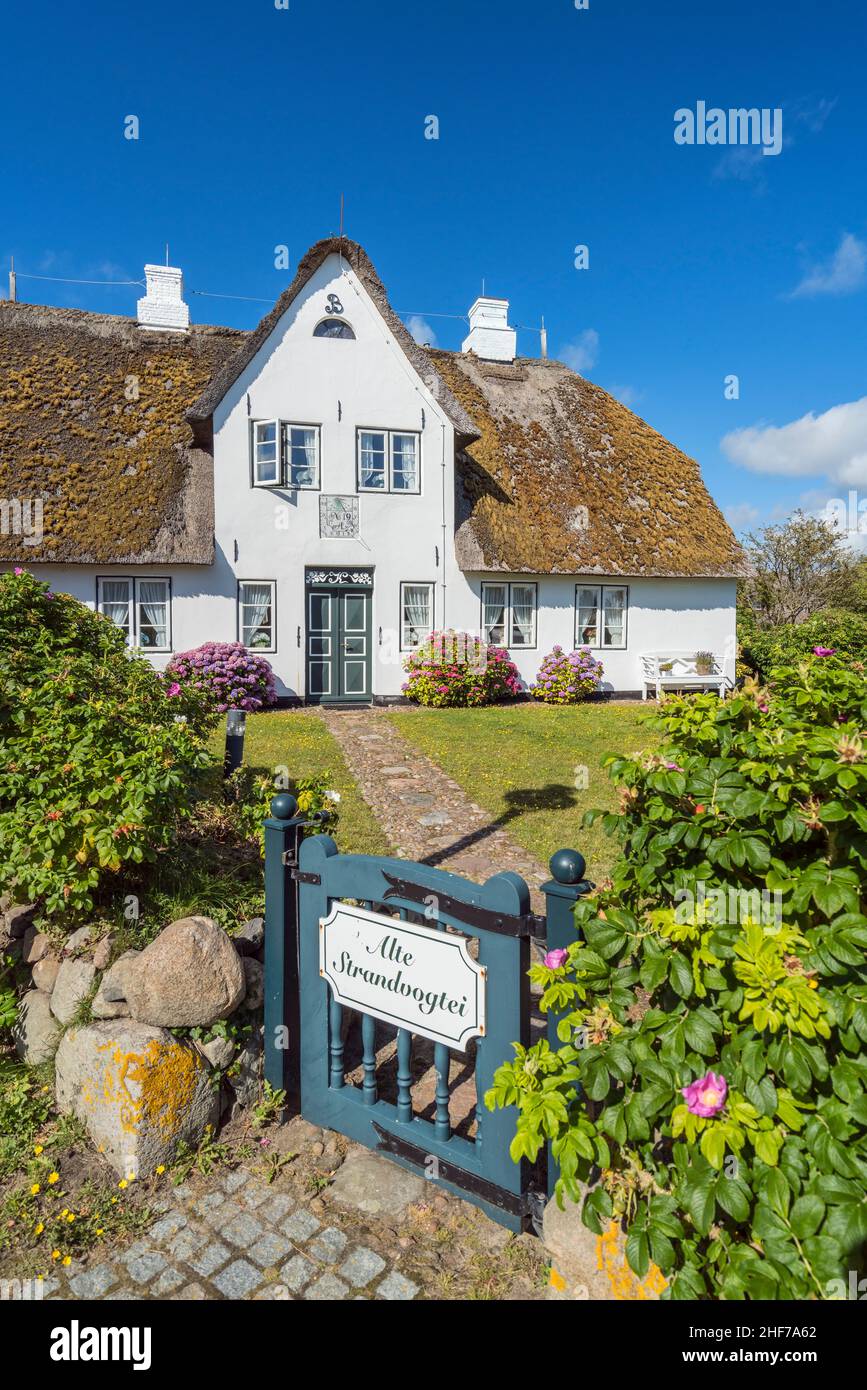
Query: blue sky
x: 555, y: 130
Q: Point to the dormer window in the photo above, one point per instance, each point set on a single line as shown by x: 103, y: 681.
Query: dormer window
x: 333, y: 328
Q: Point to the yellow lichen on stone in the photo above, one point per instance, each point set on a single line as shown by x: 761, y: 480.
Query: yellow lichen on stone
x: 164, y: 1078
x: 625, y: 1285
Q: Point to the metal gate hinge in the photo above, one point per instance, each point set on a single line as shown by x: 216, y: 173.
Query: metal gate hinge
x: 300, y: 877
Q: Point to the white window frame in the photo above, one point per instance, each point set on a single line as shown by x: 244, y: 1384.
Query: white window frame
x: 388, y: 463
x: 130, y: 602
x: 154, y: 579
x: 508, y: 614
x: 272, y: 585
x: 428, y: 584
x: 600, y: 644
x: 133, y: 602
x: 286, y: 449
x: 256, y: 426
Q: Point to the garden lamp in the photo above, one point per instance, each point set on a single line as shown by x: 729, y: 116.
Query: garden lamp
x: 236, y: 725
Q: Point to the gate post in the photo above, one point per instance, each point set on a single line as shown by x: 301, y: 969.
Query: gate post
x: 282, y: 1008
x: 562, y: 891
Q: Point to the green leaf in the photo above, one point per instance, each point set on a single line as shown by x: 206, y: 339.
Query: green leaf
x: 680, y: 975
x: 638, y: 1252
x: 713, y: 1145
x: 806, y: 1217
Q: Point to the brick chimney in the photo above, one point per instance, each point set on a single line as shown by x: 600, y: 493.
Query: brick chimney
x: 163, y: 307
x: 490, y: 335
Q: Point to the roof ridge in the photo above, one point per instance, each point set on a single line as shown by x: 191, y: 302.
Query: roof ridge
x: 359, y: 261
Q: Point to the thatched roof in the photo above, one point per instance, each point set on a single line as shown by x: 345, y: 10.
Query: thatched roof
x: 125, y: 480
x: 356, y: 257
x: 553, y: 444
x: 92, y: 421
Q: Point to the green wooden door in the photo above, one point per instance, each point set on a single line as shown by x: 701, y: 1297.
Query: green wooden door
x: 339, y: 653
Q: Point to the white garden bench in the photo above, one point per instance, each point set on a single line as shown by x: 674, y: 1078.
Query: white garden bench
x: 676, y: 671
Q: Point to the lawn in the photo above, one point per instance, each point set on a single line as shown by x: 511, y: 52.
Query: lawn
x: 298, y: 741
x: 535, y: 768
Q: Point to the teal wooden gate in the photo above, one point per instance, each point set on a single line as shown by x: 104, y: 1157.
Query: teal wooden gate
x: 306, y: 1027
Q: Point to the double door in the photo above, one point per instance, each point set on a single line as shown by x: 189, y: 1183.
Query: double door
x: 339, y: 664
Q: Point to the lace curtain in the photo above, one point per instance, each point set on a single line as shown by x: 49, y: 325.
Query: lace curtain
x: 256, y: 615
x: 417, y: 621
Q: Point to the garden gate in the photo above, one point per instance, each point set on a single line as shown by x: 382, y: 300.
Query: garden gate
x: 373, y: 964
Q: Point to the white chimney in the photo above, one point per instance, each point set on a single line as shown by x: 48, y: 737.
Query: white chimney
x: 490, y: 335
x: 163, y: 305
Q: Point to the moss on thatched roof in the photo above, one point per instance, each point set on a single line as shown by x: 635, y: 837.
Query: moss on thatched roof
x: 566, y: 480
x: 92, y: 421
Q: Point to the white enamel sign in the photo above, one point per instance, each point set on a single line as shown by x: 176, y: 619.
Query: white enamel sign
x: 413, y: 977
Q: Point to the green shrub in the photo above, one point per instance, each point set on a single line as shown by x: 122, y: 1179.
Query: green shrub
x: 764, y: 648
x: 751, y: 1183
x: 98, y: 760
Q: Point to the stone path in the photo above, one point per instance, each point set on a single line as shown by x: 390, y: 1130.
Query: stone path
x: 425, y: 814
x: 337, y: 1223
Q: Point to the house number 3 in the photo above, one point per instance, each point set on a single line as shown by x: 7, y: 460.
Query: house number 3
x: 334, y: 305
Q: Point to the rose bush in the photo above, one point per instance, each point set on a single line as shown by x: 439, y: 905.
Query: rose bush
x: 98, y: 759
x: 457, y: 669
x: 565, y: 678
x: 226, y: 673
x: 763, y: 649
x: 710, y: 1092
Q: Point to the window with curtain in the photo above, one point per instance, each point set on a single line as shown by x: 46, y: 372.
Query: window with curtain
x: 404, y: 462
x: 301, y: 451
x: 416, y: 609
x: 495, y: 601
x: 523, y: 615
x: 509, y: 614
x: 371, y: 460
x: 389, y: 461
x: 600, y: 615
x: 266, y: 463
x: 614, y: 617
x: 114, y: 599
x: 152, y: 614
x: 256, y: 614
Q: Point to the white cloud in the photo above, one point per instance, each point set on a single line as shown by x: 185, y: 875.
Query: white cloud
x: 582, y: 352
x: 741, y: 515
x: 421, y: 330
x: 843, y: 273
x: 831, y: 445
x: 626, y: 395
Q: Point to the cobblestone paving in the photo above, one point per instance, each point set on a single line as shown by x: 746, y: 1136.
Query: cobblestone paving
x: 426, y: 815
x: 240, y: 1240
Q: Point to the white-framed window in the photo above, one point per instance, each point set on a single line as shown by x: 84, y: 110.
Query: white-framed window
x: 509, y: 613
x: 389, y: 461
x: 114, y: 598
x: 404, y: 462
x: 301, y: 455
x: 140, y: 607
x: 256, y: 614
x: 600, y: 615
x: 266, y: 453
x: 416, y: 613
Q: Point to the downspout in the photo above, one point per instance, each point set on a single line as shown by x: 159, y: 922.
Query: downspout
x: 443, y: 624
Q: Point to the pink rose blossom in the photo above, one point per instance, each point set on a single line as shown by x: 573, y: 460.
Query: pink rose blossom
x: 707, y: 1096
x: 554, y: 959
